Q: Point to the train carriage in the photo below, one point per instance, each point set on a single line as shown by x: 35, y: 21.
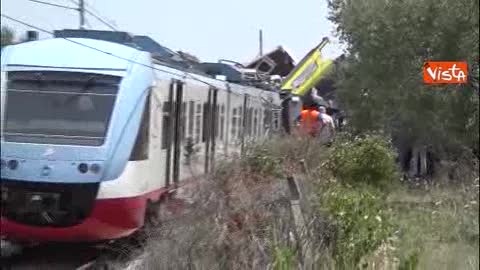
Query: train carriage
x: 94, y: 134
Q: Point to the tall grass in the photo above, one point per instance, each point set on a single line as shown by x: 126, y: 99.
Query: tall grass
x: 240, y: 217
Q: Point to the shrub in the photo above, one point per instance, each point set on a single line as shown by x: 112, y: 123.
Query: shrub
x: 369, y: 159
x: 259, y: 160
x: 283, y: 258
x: 361, y: 220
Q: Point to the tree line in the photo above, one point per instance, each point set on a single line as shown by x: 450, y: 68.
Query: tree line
x: 380, y: 84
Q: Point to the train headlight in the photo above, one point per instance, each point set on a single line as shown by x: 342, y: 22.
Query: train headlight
x: 83, y: 168
x: 3, y: 164
x: 12, y: 164
x: 95, y: 168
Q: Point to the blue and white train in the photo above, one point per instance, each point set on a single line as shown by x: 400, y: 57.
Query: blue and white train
x: 94, y: 134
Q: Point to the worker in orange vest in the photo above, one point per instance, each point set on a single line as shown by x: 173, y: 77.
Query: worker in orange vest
x: 309, y: 121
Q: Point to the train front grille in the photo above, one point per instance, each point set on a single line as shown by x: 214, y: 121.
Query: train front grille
x: 47, y: 204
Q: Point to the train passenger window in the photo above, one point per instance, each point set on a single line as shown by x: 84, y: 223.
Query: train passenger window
x: 275, y: 120
x: 198, y: 119
x: 255, y: 122
x: 217, y: 123
x: 250, y: 121
x: 206, y: 112
x: 140, y: 149
x: 234, y: 123
x: 191, y: 115
x: 260, y: 121
x: 184, y: 121
x: 222, y: 121
x: 266, y: 120
x: 240, y: 121
x: 166, y: 126
x: 222, y: 126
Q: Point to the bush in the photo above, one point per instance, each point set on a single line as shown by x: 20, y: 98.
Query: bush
x: 283, y: 258
x: 259, y: 160
x: 369, y: 159
x: 361, y: 221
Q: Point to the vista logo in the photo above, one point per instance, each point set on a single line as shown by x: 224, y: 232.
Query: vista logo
x: 445, y: 72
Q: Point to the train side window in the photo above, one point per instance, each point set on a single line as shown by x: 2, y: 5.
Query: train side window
x: 184, y: 121
x: 198, y: 122
x: 165, y: 124
x: 255, y: 122
x: 206, y: 111
x: 222, y: 121
x: 240, y: 121
x: 260, y: 122
x: 250, y: 121
x: 222, y: 126
x: 234, y: 123
x: 217, y: 123
x: 140, y: 149
x: 275, y: 120
x: 265, y: 120
x: 191, y: 116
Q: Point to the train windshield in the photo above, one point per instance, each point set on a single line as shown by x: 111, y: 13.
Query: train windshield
x: 70, y: 108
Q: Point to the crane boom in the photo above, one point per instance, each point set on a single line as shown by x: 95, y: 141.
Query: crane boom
x: 311, y: 69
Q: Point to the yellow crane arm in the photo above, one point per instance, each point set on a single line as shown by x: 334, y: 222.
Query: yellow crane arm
x: 311, y: 69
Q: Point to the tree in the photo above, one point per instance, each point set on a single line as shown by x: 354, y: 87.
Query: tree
x: 7, y: 36
x: 381, y: 84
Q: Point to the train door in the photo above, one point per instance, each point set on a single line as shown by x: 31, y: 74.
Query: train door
x: 210, y: 114
x: 172, y: 125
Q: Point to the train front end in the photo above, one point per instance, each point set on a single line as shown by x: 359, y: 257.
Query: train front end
x: 69, y: 107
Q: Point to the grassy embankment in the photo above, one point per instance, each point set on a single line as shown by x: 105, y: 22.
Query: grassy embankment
x: 357, y: 212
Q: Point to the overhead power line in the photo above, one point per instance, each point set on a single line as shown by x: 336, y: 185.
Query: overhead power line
x: 80, y: 7
x: 54, y: 5
x: 98, y: 17
x: 101, y: 20
x: 186, y: 74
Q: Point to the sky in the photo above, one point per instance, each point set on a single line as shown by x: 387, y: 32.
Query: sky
x: 208, y: 29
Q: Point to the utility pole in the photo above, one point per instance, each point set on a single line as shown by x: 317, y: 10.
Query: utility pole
x: 81, y: 10
x: 260, y: 39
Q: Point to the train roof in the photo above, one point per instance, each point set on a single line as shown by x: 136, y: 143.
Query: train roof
x: 106, y: 57
x: 90, y: 54
x: 168, y: 57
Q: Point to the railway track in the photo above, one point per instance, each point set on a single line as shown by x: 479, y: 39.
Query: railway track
x: 51, y: 256
x: 60, y: 256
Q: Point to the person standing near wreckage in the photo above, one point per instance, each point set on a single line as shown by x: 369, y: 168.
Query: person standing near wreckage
x: 327, y: 126
x: 309, y: 122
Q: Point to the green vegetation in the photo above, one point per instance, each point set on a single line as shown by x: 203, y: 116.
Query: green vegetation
x: 381, y: 84
x: 358, y: 211
x: 260, y: 161
x: 361, y: 170
x: 361, y: 220
x: 241, y: 217
x: 7, y: 36
x: 437, y: 229
x: 369, y: 159
x: 283, y: 258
